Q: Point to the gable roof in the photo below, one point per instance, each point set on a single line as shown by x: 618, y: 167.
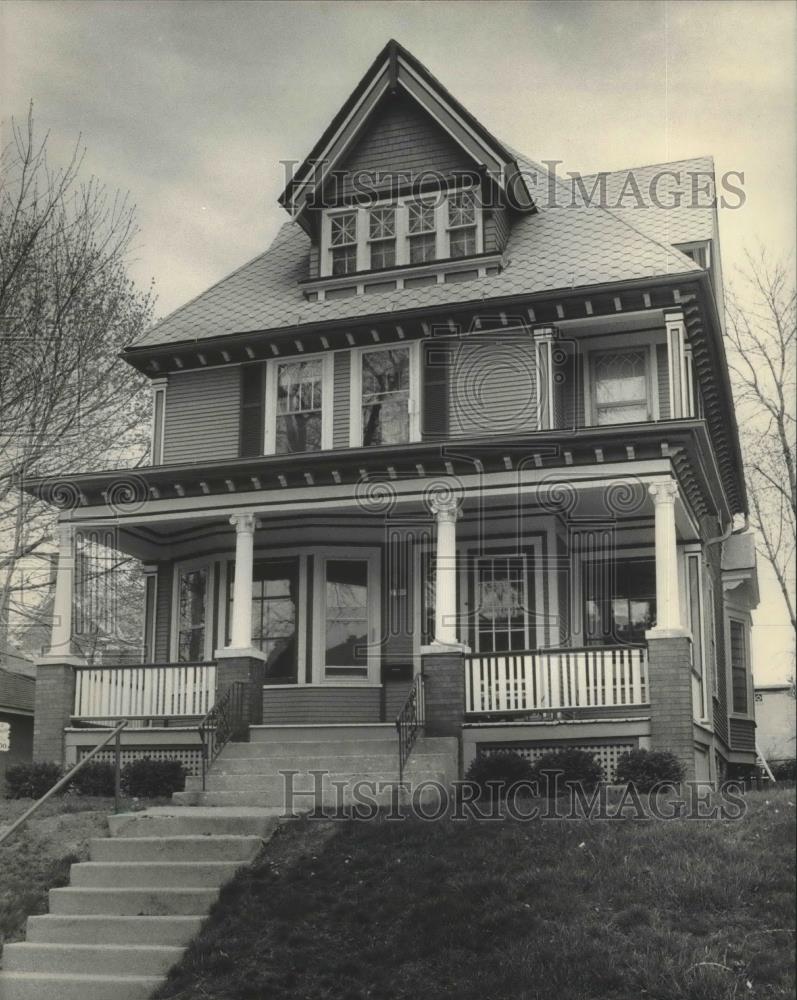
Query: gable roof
x: 560, y: 247
x: 396, y: 70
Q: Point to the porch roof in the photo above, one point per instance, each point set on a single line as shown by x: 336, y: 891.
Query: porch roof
x: 128, y: 494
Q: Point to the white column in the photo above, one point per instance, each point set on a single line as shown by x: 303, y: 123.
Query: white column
x: 241, y: 625
x: 676, y: 356
x: 668, y: 604
x: 61, y: 635
x: 446, y: 512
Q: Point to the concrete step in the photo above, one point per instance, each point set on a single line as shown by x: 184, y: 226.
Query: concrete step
x: 275, y: 763
x: 128, y: 849
x: 308, y: 747
x: 174, y: 821
x: 315, y: 732
x: 85, y: 959
x: 303, y: 800
x: 152, y: 874
x: 132, y: 902
x: 49, y: 986
x: 53, y: 929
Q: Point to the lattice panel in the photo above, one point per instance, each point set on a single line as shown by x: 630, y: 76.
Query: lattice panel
x: 189, y: 757
x: 607, y: 754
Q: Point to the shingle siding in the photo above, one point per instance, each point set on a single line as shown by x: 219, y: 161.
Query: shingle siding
x: 202, y: 416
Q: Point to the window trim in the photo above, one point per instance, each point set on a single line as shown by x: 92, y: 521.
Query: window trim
x: 645, y: 351
x: 355, y: 389
x: 327, y: 400
x: 618, y: 342
x: 157, y: 439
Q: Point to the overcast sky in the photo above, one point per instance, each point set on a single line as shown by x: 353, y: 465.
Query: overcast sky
x: 192, y: 106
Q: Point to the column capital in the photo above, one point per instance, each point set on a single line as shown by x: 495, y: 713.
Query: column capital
x: 445, y: 505
x: 244, y: 524
x: 664, y: 492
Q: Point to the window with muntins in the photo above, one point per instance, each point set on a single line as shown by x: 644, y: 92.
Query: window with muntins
x: 421, y: 232
x: 621, y: 387
x: 386, y: 396
x: 462, y: 224
x: 300, y: 400
x: 739, y: 665
x: 343, y: 242
x: 382, y: 237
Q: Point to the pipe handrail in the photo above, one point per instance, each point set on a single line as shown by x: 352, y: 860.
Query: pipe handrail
x: 63, y: 781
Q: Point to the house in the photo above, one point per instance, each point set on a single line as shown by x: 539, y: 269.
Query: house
x: 458, y: 447
x: 17, y: 685
x: 776, y: 720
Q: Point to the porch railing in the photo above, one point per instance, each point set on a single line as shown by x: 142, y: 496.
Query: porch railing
x: 144, y: 691
x: 410, y: 722
x: 528, y: 680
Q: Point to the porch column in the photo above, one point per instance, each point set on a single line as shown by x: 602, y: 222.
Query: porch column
x: 61, y: 633
x: 446, y: 511
x: 668, y: 605
x: 241, y: 624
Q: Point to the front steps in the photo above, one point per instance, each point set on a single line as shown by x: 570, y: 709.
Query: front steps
x: 250, y: 773
x: 129, y: 912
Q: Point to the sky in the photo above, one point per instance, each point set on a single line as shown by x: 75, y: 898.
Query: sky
x: 192, y: 107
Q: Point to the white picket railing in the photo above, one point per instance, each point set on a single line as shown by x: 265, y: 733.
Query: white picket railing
x: 151, y: 691
x: 592, y: 677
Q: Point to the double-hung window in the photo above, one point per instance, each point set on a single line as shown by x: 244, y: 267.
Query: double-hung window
x: 462, y: 224
x: 296, y: 397
x: 343, y: 242
x: 738, y: 636
x: 621, y: 386
x: 383, y: 394
x: 421, y: 231
x: 382, y: 237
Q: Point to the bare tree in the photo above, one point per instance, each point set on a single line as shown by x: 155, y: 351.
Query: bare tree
x: 67, y: 307
x: 763, y: 342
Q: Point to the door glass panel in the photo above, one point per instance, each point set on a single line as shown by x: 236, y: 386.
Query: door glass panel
x: 346, y: 624
x: 193, y: 599
x: 275, y: 590
x: 501, y: 605
x: 385, y: 396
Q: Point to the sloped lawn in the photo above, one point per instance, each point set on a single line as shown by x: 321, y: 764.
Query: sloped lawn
x: 553, y: 910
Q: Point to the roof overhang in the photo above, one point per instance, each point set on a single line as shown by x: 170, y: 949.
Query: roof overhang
x: 396, y: 70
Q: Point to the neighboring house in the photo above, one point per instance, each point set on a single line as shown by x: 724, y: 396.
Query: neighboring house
x: 17, y: 691
x: 776, y: 719
x: 457, y: 432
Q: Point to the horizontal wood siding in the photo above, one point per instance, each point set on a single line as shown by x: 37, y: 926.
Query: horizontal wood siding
x: 663, y: 366
x: 202, y: 416
x: 493, y: 388
x: 342, y: 391
x: 163, y: 612
x: 403, y: 139
x: 742, y: 734
x: 294, y: 706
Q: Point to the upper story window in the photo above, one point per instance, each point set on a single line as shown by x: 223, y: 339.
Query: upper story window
x: 738, y: 634
x: 384, y: 393
x: 621, y: 386
x: 411, y: 230
x: 462, y: 224
x: 298, y: 398
x: 382, y: 237
x: 343, y: 242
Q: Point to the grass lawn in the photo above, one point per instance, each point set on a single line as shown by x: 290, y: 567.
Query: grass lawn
x: 544, y: 910
x: 37, y: 858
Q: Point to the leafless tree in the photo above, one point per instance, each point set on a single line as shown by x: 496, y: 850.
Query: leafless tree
x: 67, y: 307
x: 763, y: 351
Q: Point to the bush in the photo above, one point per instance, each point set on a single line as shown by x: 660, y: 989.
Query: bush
x: 153, y: 779
x: 785, y: 770
x: 31, y: 781
x: 95, y: 778
x: 504, y: 766
x: 575, y: 767
x: 645, y: 768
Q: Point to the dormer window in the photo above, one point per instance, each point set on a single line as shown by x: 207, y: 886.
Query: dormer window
x: 422, y: 232
x: 382, y: 237
x: 343, y: 242
x: 462, y: 224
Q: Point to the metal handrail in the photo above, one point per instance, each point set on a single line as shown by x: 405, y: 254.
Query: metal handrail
x: 114, y: 735
x: 225, y: 719
x: 410, y: 722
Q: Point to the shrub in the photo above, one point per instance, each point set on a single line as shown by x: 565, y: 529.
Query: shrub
x: 31, y: 781
x: 645, y: 768
x: 153, y: 779
x: 95, y: 778
x: 575, y: 767
x: 504, y: 766
x: 785, y: 770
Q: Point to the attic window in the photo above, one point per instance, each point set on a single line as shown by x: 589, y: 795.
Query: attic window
x: 343, y: 243
x: 421, y: 227
x: 382, y: 237
x: 462, y: 224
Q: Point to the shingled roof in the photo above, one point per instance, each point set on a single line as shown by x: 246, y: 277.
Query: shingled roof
x: 562, y: 246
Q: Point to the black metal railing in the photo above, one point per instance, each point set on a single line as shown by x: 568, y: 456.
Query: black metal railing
x: 410, y: 722
x: 227, y: 720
